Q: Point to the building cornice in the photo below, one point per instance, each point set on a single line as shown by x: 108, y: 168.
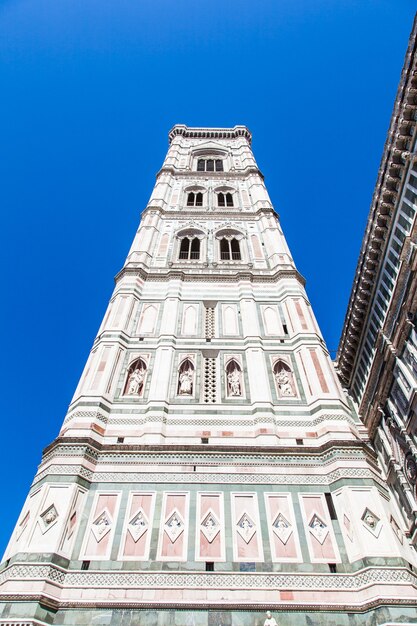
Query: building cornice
x: 395, y: 159
x: 209, y: 274
x: 240, y: 174
x: 209, y: 133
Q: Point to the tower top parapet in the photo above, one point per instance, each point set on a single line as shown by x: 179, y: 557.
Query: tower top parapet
x: 210, y: 133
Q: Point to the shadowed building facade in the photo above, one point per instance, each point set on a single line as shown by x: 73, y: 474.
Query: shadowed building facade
x: 377, y: 357
x: 210, y: 467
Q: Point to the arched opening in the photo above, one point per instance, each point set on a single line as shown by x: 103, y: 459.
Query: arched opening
x: 201, y: 165
x: 219, y: 165
x: 229, y: 199
x: 210, y: 165
x: 220, y: 199
x: 195, y: 199
x: 135, y: 379
x: 284, y: 379
x: 186, y: 378
x: 190, y: 248
x: 233, y: 379
x: 229, y: 244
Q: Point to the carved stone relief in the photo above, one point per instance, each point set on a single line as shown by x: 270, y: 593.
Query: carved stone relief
x: 246, y: 527
x: 371, y: 522
x: 49, y: 517
x: 210, y: 526
x: 102, y: 525
x: 174, y: 525
x: 318, y: 528
x: 138, y: 524
x: 282, y: 528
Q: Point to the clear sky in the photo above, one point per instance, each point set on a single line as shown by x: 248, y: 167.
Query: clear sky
x: 89, y: 90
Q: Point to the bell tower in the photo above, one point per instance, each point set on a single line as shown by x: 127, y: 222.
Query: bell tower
x: 209, y: 468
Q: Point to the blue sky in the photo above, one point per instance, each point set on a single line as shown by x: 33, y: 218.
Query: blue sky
x: 90, y: 89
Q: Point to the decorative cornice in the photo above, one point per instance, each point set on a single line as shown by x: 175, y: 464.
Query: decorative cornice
x: 209, y: 133
x: 395, y: 159
x: 349, y: 584
x: 205, y: 274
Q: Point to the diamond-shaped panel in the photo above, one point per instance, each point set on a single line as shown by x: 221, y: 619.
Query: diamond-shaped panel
x: 318, y: 528
x: 246, y: 527
x: 282, y: 528
x: 174, y: 525
x: 210, y: 526
x: 102, y: 525
x: 138, y: 525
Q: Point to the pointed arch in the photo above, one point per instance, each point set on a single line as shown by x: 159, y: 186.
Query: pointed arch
x: 147, y: 319
x: 135, y: 379
x: 233, y: 379
x: 284, y: 379
x: 185, y: 386
x: 189, y: 322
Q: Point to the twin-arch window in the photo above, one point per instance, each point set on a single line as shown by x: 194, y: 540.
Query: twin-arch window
x: 189, y: 248
x: 224, y: 199
x: 230, y: 250
x: 209, y: 165
x: 196, y: 199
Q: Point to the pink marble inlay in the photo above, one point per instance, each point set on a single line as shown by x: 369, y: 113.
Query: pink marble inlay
x: 284, y: 546
x: 173, y: 547
x: 136, y: 546
x: 210, y: 549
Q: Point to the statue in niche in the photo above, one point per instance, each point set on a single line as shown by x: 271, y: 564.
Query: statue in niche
x: 185, y: 379
x: 233, y: 379
x: 234, y: 385
x: 135, y: 382
x: 284, y: 379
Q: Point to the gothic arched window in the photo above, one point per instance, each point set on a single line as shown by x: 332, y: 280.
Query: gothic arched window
x: 190, y: 248
x: 233, y: 379
x: 230, y: 250
x: 284, y: 379
x: 195, y: 199
x: 229, y: 246
x: 186, y: 378
x: 225, y: 199
x: 135, y: 380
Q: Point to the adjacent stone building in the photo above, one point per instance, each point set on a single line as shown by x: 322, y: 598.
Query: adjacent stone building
x: 377, y: 357
x: 210, y: 467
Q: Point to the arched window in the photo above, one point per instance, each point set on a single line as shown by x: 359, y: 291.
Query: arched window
x: 233, y: 379
x: 201, y: 165
x: 284, y: 379
x: 230, y: 250
x: 210, y: 165
x: 195, y: 199
x: 224, y: 199
x: 219, y: 165
x: 190, y: 248
x: 186, y: 378
x: 135, y: 379
x: 229, y: 244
